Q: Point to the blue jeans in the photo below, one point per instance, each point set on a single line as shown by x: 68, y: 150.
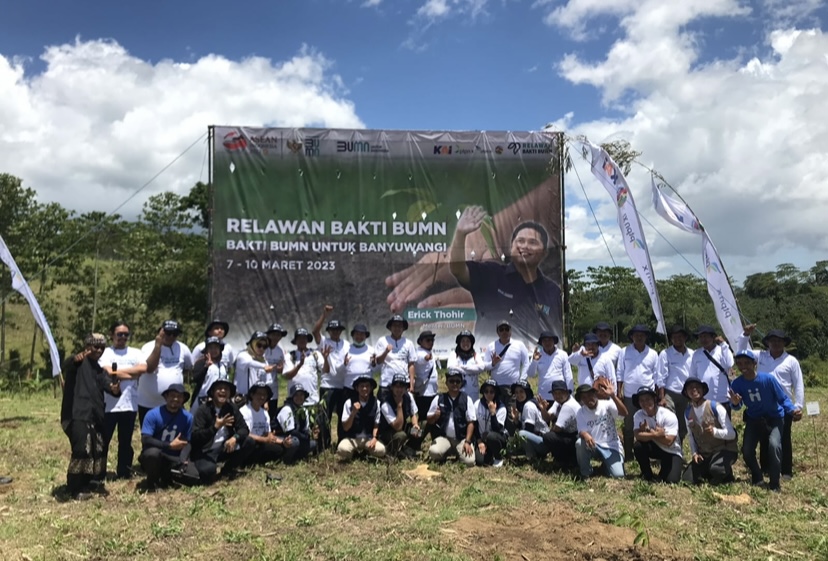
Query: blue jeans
x: 612, y: 459
x: 768, y: 430
x: 533, y: 446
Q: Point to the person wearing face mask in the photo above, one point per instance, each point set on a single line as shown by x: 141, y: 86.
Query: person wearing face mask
x: 360, y: 360
x: 465, y: 359
x: 395, y: 354
x: 490, y: 432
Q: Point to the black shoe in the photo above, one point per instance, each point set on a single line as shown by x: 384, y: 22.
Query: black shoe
x: 5, y: 480
x: 82, y: 496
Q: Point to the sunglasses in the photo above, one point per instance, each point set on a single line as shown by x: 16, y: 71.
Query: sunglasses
x: 99, y: 347
x: 122, y: 335
x: 261, y: 345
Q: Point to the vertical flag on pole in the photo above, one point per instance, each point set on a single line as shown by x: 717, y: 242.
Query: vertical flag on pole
x: 610, y: 176
x: 20, y: 285
x: 679, y: 214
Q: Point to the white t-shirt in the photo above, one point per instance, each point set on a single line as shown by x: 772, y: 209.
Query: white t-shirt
x: 665, y: 419
x: 600, y: 424
x: 514, y: 364
x: 471, y: 370
x: 532, y: 415
x: 706, y: 371
x: 275, y: 356
x: 612, y: 351
x: 471, y: 415
x: 228, y: 354
x: 257, y: 421
x: 390, y: 413
x: 214, y: 372
x: 551, y: 368
x: 425, y: 373
x: 126, y: 358
x: 484, y: 417
x: 308, y: 375
x: 287, y: 420
x: 602, y: 367
x: 359, y: 364
x: 402, y: 353
x: 173, y: 362
x: 566, y: 414
x: 336, y: 362
x: 250, y: 372
x: 637, y: 369
x: 674, y: 368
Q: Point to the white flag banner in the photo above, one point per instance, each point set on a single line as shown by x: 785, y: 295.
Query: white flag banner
x: 20, y: 285
x: 610, y: 176
x: 679, y: 214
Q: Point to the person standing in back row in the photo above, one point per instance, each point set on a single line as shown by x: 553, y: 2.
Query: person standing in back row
x: 395, y: 354
x: 637, y: 365
x: 712, y: 363
x: 167, y: 361
x: 335, y: 349
x: 508, y: 360
x: 673, y: 370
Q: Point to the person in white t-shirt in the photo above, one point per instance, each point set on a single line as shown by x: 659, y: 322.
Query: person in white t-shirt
x: 560, y: 440
x: 465, y: 359
x: 527, y: 415
x: 491, y: 426
x: 637, y: 367
x: 274, y: 355
x: 453, y: 417
x: 673, y: 371
x: 712, y: 438
x: 335, y: 349
x: 597, y: 434
x: 167, y: 360
x: 656, y: 437
x: 268, y: 446
x: 220, y: 329
x: 360, y: 423
x: 360, y: 360
x: 549, y: 363
x: 251, y: 365
x: 399, y: 428
x: 507, y: 359
x: 207, y: 370
x: 603, y: 331
x: 591, y: 363
x: 122, y: 410
x: 306, y: 367
x: 426, y: 365
x: 395, y: 354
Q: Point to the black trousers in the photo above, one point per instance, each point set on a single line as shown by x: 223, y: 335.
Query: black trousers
x: 300, y: 449
x: 124, y: 421
x: 671, y: 464
x: 716, y: 467
x: 423, y: 403
x: 207, y: 464
x: 561, y: 446
x: 787, y: 449
x: 495, y: 443
x: 334, y: 400
x: 142, y: 412
x: 158, y: 465
x: 264, y: 453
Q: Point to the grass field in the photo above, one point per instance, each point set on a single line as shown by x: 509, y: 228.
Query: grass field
x: 366, y: 510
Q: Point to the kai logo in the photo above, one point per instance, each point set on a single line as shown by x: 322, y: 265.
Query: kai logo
x: 442, y: 150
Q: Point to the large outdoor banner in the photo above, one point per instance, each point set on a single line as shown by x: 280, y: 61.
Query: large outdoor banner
x: 452, y: 230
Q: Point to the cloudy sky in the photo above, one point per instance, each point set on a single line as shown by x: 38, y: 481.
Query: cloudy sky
x: 726, y: 98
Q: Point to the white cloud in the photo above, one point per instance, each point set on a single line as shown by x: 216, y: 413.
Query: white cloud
x: 98, y: 122
x: 371, y: 3
x: 440, y: 9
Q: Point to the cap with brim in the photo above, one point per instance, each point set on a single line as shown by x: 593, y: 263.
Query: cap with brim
x: 559, y: 386
x: 776, y: 333
x: 601, y: 326
x: 455, y: 373
x: 503, y: 323
x: 259, y: 385
x: 591, y: 338
x: 425, y: 335
x: 702, y: 329
x: 640, y: 328
x: 217, y: 323
x: 747, y: 353
x: 678, y: 329
x: 301, y: 332
x: 334, y: 324
x: 526, y: 387
x: 400, y: 379
x: 643, y: 390
x: 361, y: 379
x: 276, y: 328
x: 214, y: 341
x: 548, y: 335
x: 177, y: 388
x: 702, y: 383
x: 462, y: 334
x: 256, y: 336
x: 360, y: 328
x: 583, y: 389
x: 225, y: 381
x: 295, y: 389
x: 488, y: 383
x: 398, y: 318
x: 171, y: 326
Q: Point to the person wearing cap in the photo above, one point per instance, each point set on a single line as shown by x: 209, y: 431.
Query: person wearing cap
x: 219, y: 329
x: 306, y: 366
x: 251, y: 366
x: 526, y: 415
x: 597, y: 433
x: 507, y: 359
x: 165, y: 441
x: 220, y: 434
x: 549, y: 363
x: 465, y: 359
x: 713, y: 446
x: 293, y: 425
x: 426, y: 366
x: 712, y: 363
x: 395, y: 354
x: 490, y: 432
x: 399, y: 428
x: 82, y: 415
x: 591, y: 363
x: 121, y: 411
x: 360, y: 360
x: 656, y: 437
x: 167, y: 361
x: 603, y: 331
x: 361, y: 423
x: 560, y: 440
x: 452, y: 415
x: 673, y: 370
x: 267, y: 446
x: 788, y: 373
x: 275, y: 356
x: 637, y: 365
x: 207, y: 370
x: 335, y: 349
x: 766, y: 403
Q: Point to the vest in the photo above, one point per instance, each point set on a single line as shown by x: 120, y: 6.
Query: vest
x: 458, y: 412
x: 707, y: 443
x: 298, y: 421
x: 363, y: 426
x: 385, y: 427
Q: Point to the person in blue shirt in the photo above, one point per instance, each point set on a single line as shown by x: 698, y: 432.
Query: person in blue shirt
x: 165, y: 438
x: 766, y: 405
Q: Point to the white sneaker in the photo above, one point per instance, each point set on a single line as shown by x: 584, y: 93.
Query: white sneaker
x: 497, y: 463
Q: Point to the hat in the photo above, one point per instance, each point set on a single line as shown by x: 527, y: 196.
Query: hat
x: 643, y: 390
x: 217, y: 323
x: 214, y: 341
x: 490, y: 383
x: 526, y: 387
x: 399, y: 318
x: 746, y: 353
x: 334, y: 324
x: 360, y: 328
x: 678, y: 329
x: 705, y: 329
x: 694, y: 380
x: 399, y: 379
x: 638, y: 328
x: 299, y: 333
x: 591, y: 338
x: 455, y: 373
x: 257, y: 335
x: 258, y: 385
x: 425, y: 335
x: 295, y: 389
x: 366, y: 378
x: 464, y: 333
x: 776, y: 333
x: 172, y: 326
x: 581, y: 390
x: 548, y: 334
x: 276, y: 328
x: 222, y: 380
x: 503, y: 322
x: 559, y: 386
x: 177, y: 388
x: 601, y: 326
x: 94, y: 340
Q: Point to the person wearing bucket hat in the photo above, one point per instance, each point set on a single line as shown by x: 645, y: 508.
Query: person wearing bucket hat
x: 591, y: 363
x: 307, y: 364
x: 452, y: 415
x: 766, y: 403
x: 637, y: 366
x: 219, y: 329
x: 712, y: 362
x: 206, y: 371
x: 560, y: 440
x: 361, y: 423
x: 507, y: 359
x: 267, y: 446
x: 597, y: 434
x: 527, y: 416
x: 395, y: 354
x: 606, y: 346
x: 360, y: 360
x: 167, y: 361
x: 490, y: 433
x: 293, y: 425
x: 399, y: 428
x: 787, y: 371
x: 466, y: 360
x: 165, y: 441
x: 275, y: 355
x: 220, y: 434
x: 334, y: 349
x: 549, y: 364
x: 252, y: 367
x: 656, y: 437
x: 673, y: 370
x: 713, y: 446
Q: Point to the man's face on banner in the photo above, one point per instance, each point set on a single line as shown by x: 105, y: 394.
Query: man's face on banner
x: 527, y: 247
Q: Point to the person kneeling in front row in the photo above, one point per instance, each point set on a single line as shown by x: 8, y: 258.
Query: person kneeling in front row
x: 399, y: 421
x: 491, y: 426
x: 267, y: 446
x: 453, y: 416
x: 360, y: 422
x: 597, y: 434
x: 293, y: 424
x: 656, y: 436
x: 712, y: 437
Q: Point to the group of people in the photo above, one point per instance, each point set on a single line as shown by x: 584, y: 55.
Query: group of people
x: 236, y: 417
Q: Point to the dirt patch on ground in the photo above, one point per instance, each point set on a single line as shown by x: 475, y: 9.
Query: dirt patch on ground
x: 533, y: 535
